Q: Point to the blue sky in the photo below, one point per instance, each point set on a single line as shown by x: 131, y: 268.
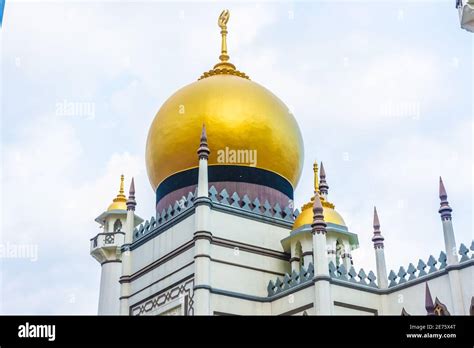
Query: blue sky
x: 382, y: 92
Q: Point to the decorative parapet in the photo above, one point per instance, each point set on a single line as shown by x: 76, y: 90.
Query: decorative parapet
x: 352, y: 276
x: 223, y: 198
x: 255, y: 206
x: 166, y: 215
x: 464, y: 251
x: 422, y: 268
x: 290, y: 280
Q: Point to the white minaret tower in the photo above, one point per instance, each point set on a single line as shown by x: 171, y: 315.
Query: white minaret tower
x: 202, y: 235
x: 322, y: 302
x: 106, y: 249
x: 378, y: 239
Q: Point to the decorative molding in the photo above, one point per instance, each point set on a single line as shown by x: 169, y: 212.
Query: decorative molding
x: 431, y: 266
x: 355, y: 307
x: 184, y: 290
x: 266, y: 212
x: 246, y: 267
x: 254, y: 249
x: 165, y: 258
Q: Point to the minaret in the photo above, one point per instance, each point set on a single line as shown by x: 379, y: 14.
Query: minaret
x: 323, y: 185
x: 322, y: 304
x: 202, y: 235
x: 126, y: 253
x: 446, y: 219
x: 379, y: 253
x: 429, y: 301
x: 451, y: 251
x: 106, y: 249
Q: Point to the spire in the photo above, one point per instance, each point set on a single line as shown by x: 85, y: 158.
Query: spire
x: 222, y: 23
x: 316, y: 179
x: 444, y: 209
x: 224, y: 67
x: 323, y: 185
x: 118, y: 202
x: 131, y: 203
x: 121, y: 190
x: 429, y: 301
x: 318, y: 225
x: 377, y: 238
x: 203, y: 150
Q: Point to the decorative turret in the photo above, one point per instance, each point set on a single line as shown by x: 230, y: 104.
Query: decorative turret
x: 203, y: 155
x: 131, y: 223
x: 446, y: 219
x: 444, y: 209
x: 379, y: 253
x: 323, y: 185
x: 131, y: 203
x: 318, y: 225
x: 202, y: 234
x: 377, y: 238
x: 323, y: 303
x: 203, y: 150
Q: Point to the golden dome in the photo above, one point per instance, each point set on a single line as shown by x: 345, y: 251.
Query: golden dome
x: 119, y: 202
x: 238, y: 114
x: 330, y: 215
x: 306, y: 216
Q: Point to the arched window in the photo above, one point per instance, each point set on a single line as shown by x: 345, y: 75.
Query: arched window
x: 117, y: 225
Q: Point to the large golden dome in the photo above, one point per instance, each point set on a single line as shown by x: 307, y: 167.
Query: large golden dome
x: 238, y: 113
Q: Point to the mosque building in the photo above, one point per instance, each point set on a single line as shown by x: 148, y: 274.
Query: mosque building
x: 224, y: 155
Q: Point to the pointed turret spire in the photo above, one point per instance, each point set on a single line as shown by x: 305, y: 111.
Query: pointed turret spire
x: 377, y: 238
x: 323, y: 185
x: 118, y: 202
x: 444, y: 209
x: 203, y: 150
x: 318, y: 225
x: 429, y: 301
x: 131, y: 203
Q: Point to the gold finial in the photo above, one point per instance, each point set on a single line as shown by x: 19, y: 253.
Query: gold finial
x: 222, y: 23
x: 316, y: 176
x: 118, y: 202
x: 121, y: 191
x: 224, y: 67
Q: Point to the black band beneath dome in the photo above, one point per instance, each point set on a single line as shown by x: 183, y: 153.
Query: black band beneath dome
x: 221, y: 173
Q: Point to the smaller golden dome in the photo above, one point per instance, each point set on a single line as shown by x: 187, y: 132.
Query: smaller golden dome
x: 330, y: 215
x: 119, y: 202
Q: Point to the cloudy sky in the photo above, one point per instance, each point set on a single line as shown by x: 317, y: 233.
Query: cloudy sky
x: 382, y: 92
